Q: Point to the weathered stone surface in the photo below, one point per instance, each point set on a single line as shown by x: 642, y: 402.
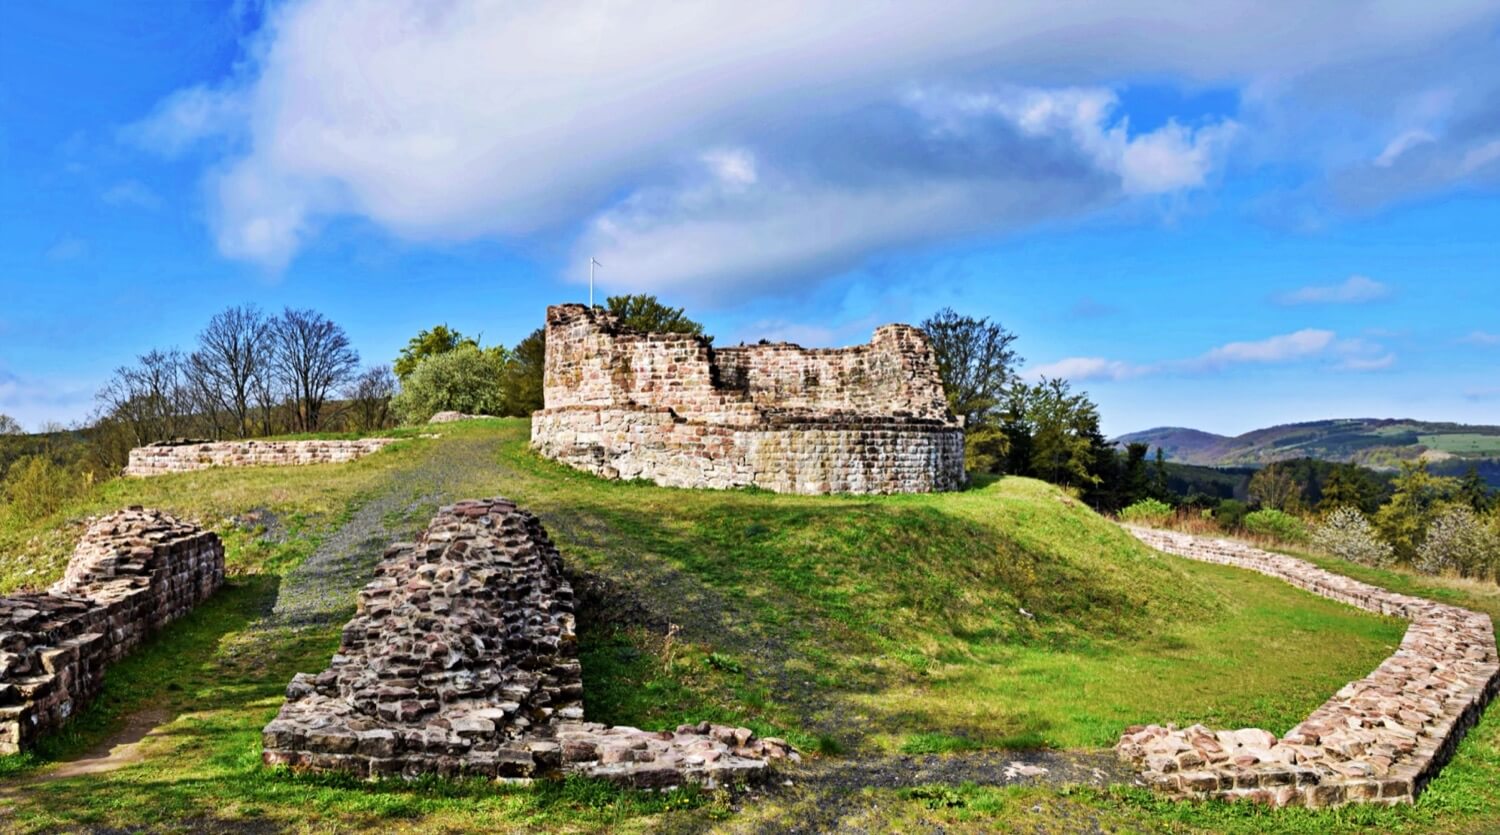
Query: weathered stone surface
x: 1378, y: 740
x: 673, y: 409
x: 462, y: 659
x: 186, y: 456
x: 133, y: 572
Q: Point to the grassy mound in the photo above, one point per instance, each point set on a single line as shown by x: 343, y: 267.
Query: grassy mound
x: 1005, y: 616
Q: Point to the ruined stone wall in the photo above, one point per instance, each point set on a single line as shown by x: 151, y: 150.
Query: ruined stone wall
x: 1378, y: 740
x: 461, y: 660
x: 132, y: 573
x: 675, y: 410
x: 176, y: 457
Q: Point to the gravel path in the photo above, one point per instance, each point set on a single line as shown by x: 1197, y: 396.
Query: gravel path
x: 323, y: 589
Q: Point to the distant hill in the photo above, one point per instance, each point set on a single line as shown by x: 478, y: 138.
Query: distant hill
x: 1379, y: 444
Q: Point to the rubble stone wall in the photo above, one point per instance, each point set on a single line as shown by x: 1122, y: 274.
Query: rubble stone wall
x: 132, y: 573
x: 177, y: 457
x: 1378, y: 740
x: 462, y: 660
x: 675, y: 410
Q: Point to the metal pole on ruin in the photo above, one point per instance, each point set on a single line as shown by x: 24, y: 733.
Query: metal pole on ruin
x: 592, y: 264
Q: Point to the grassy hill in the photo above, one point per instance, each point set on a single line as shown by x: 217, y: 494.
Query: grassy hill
x: 1449, y: 447
x: 867, y: 630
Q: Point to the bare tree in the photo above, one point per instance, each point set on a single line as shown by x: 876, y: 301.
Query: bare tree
x: 10, y: 426
x: 232, y: 357
x: 312, y: 357
x: 149, y: 397
x: 369, y: 397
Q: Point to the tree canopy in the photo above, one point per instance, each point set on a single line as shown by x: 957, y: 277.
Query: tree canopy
x: 643, y: 312
x: 439, y: 340
x: 976, y: 362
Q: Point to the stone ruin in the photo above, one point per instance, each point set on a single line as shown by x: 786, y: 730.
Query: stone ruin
x: 183, y: 456
x: 673, y: 409
x: 461, y: 660
x: 132, y: 573
x: 1378, y: 740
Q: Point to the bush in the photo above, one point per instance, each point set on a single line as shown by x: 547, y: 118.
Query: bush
x: 1230, y: 514
x: 1147, y: 512
x: 1347, y: 534
x: 1276, y: 525
x: 35, y: 487
x: 465, y: 379
x: 1459, y: 542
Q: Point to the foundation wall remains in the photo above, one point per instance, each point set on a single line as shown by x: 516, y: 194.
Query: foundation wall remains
x: 1378, y: 740
x: 675, y: 410
x: 181, y: 457
x: 461, y: 660
x: 132, y: 573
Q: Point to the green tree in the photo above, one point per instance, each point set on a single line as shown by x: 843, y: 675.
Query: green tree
x: 465, y: 379
x: 976, y: 362
x: 1159, y: 489
x: 1063, y: 425
x: 1135, y: 483
x: 1350, y: 486
x: 429, y: 343
x: 1474, y: 492
x: 525, y: 374
x: 1273, y: 487
x: 1403, y: 521
x: 644, y: 313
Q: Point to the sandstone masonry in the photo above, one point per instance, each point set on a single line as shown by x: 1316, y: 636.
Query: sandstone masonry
x: 186, y: 456
x: 462, y: 660
x: 132, y: 573
x: 673, y: 409
x: 1378, y: 740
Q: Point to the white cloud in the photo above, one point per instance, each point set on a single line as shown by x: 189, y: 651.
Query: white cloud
x: 1482, y: 338
x: 1303, y: 343
x: 1353, y: 290
x: 450, y: 121
x: 1308, y: 344
x: 1084, y: 369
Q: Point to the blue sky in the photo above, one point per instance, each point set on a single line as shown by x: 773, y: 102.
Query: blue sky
x: 1224, y: 217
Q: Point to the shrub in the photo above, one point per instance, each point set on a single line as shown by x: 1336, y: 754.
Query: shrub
x: 1459, y: 541
x: 1276, y: 524
x: 1147, y: 511
x: 1230, y: 514
x: 465, y: 379
x: 35, y: 487
x: 1347, y: 534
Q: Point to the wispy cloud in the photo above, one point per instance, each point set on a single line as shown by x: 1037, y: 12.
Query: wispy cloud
x: 1308, y: 344
x: 1089, y: 308
x: 69, y: 248
x: 1083, y: 369
x: 1484, y: 339
x: 1356, y: 289
x: 132, y: 193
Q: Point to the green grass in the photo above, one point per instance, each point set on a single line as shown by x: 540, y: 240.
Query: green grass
x: 850, y: 625
x: 1464, y: 444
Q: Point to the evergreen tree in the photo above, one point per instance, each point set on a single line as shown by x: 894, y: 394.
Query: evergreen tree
x: 1135, y: 482
x: 1473, y: 492
x: 1404, y: 520
x: 1159, y: 489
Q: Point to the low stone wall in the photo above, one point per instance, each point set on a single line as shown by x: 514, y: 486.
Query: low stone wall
x: 132, y: 573
x: 172, y: 457
x: 461, y: 660
x: 1378, y: 740
x: 788, y: 455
